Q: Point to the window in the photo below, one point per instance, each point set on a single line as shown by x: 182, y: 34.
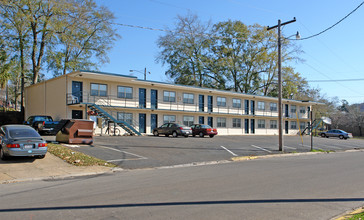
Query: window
x: 236, y: 123
x: 293, y: 109
x: 125, y: 92
x: 302, y: 110
x: 261, y: 123
x: 302, y: 125
x: 221, y: 122
x: 293, y: 125
x: 188, y: 120
x: 188, y: 98
x: 273, y: 124
x: 127, y: 117
x: 273, y: 107
x: 98, y: 89
x: 169, y: 118
x: 261, y: 106
x: 169, y: 96
x: 236, y: 103
x: 221, y: 101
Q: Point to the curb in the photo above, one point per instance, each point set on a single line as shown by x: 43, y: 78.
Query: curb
x: 63, y: 177
x: 350, y: 214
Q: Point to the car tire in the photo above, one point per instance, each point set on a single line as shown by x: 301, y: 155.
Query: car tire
x: 193, y: 135
x: 155, y: 133
x: 2, y: 154
x: 167, y: 135
x: 211, y: 136
x: 341, y: 137
x: 174, y: 134
x: 201, y: 135
x: 41, y: 156
x: 186, y: 136
x: 323, y: 135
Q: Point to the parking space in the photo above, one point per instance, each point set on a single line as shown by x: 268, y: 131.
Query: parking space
x: 149, y: 151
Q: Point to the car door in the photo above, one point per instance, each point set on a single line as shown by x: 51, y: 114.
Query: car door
x: 163, y: 129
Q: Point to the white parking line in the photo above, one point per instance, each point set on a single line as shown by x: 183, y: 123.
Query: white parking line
x: 229, y: 151
x: 136, y: 155
x: 314, y: 147
x: 290, y: 147
x: 262, y: 148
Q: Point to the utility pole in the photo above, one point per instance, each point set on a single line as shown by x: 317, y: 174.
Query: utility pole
x: 280, y: 118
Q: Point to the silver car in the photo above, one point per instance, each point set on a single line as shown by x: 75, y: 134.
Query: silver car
x: 21, y: 140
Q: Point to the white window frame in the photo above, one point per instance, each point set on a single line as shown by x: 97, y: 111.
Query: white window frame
x: 273, y: 106
x: 125, y: 116
x: 168, y: 97
x: 98, y: 90
x: 273, y: 124
x: 125, y: 93
x: 221, y: 122
x: 261, y: 105
x: 169, y: 118
x: 188, y: 120
x: 221, y: 101
x: 261, y: 123
x: 188, y: 98
x: 236, y: 103
x: 293, y: 125
x: 236, y: 122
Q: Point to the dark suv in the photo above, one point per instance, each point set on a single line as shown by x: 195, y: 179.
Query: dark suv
x: 173, y: 129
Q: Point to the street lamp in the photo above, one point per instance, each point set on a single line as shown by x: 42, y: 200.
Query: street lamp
x: 280, y: 120
x: 139, y: 71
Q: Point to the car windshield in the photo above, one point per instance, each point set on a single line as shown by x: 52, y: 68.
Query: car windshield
x: 23, y: 133
x: 205, y: 126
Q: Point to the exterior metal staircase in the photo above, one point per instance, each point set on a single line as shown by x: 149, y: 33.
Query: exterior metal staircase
x: 315, y: 124
x: 105, y: 115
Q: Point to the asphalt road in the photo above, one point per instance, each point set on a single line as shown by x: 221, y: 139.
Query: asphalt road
x: 317, y: 186
x: 150, y: 151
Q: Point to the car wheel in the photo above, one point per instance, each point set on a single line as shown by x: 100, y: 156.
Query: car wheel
x: 2, y: 154
x: 323, y: 135
x: 167, y: 135
x: 174, y: 134
x: 155, y: 133
x: 41, y: 156
x: 186, y: 136
x: 201, y: 135
x: 193, y: 135
x: 341, y: 137
x: 211, y: 136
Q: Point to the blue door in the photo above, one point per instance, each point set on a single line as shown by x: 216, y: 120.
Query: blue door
x: 142, y: 123
x: 142, y: 98
x: 201, y: 103
x: 286, y: 111
x: 286, y: 126
x: 252, y: 126
x: 201, y: 120
x: 246, y: 126
x: 247, y: 107
x: 210, y: 121
x: 76, y: 92
x: 154, y: 99
x: 252, y: 107
x: 153, y: 122
x: 210, y: 103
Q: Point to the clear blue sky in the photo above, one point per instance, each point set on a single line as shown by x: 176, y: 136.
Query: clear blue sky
x: 336, y: 54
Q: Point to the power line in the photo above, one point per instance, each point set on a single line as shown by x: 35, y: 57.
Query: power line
x: 315, y: 35
x: 336, y: 80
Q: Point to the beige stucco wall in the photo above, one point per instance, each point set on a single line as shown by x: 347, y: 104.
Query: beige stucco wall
x: 46, y: 98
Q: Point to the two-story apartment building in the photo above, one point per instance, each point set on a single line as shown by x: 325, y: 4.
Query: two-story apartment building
x: 144, y: 105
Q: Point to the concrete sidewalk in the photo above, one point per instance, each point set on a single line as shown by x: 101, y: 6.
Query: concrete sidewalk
x: 26, y: 169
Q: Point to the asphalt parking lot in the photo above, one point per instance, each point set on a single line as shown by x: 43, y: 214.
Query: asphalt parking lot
x: 149, y: 151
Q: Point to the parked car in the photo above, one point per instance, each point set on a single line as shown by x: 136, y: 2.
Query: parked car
x: 336, y: 133
x: 21, y: 140
x: 44, y: 124
x: 202, y: 130
x: 173, y: 129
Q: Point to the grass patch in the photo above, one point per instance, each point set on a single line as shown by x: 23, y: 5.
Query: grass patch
x: 320, y: 150
x: 76, y: 158
x: 357, y: 215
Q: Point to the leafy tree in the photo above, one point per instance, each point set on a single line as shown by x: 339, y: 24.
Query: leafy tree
x: 184, y: 51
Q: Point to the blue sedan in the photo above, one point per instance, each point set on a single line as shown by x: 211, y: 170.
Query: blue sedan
x: 21, y: 140
x: 336, y: 133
